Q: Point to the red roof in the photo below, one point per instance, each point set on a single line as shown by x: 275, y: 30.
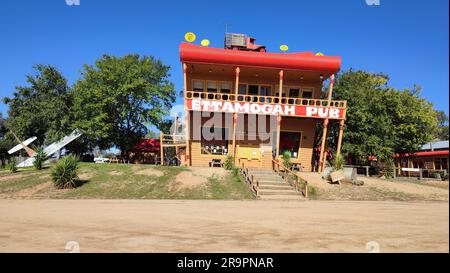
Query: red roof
x: 429, y: 153
x: 307, y: 61
x: 148, y: 145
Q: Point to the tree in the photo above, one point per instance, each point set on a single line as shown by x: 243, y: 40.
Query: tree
x: 116, y: 97
x: 381, y: 120
x: 442, y: 131
x: 6, y: 141
x: 41, y: 109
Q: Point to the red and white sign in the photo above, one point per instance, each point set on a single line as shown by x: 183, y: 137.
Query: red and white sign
x: 264, y: 109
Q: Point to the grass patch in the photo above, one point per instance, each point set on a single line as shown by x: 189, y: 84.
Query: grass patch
x: 128, y: 181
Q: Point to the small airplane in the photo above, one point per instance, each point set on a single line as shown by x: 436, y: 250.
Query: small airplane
x: 49, y: 150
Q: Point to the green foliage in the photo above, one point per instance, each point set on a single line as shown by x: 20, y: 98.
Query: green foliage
x: 65, y: 172
x: 442, y: 131
x: 381, y: 120
x: 41, y: 109
x: 338, y: 163
x: 39, y: 158
x: 118, y: 96
x: 12, y: 164
x: 389, y: 167
x: 287, y: 160
x: 229, y: 163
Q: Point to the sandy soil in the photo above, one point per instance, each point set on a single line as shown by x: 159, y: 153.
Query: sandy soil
x: 222, y: 226
x: 196, y: 176
x: 425, y: 190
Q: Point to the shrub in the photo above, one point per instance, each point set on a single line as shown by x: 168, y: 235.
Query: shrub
x: 65, y: 172
x: 338, y: 163
x: 12, y: 165
x: 228, y: 164
x: 287, y: 160
x: 39, y: 158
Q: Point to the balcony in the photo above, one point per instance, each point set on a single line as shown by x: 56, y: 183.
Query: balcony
x: 303, y: 107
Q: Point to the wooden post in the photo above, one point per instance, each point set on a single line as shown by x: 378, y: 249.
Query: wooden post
x: 175, y: 134
x: 161, y: 147
x: 280, y: 90
x: 233, y: 152
x: 278, y: 137
x: 341, y: 131
x: 322, y: 146
x: 323, y: 159
x: 236, y: 92
x: 186, y: 116
x: 187, y: 132
x: 236, y: 83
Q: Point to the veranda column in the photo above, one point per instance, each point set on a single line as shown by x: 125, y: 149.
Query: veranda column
x: 341, y: 131
x: 323, y: 159
x: 278, y: 136
x: 161, y: 147
x: 280, y: 90
x: 322, y: 146
x: 236, y: 91
x: 186, y: 116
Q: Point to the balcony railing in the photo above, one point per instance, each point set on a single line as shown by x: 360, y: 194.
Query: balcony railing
x: 265, y: 99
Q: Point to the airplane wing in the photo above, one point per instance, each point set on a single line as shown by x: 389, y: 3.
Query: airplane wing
x: 52, y: 148
x: 19, y: 146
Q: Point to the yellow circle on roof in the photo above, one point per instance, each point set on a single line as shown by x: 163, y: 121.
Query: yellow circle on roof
x: 205, y: 42
x: 284, y: 47
x: 319, y: 54
x: 190, y: 37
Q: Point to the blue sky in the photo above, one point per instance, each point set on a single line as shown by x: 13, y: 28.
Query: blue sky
x: 406, y: 39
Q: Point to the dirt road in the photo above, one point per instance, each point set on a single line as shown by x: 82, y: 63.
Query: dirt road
x: 222, y: 226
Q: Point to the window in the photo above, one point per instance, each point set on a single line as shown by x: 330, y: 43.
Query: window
x: 265, y: 90
x: 307, y: 93
x: 225, y: 87
x: 214, y: 141
x: 199, y: 86
x: 290, y: 141
x: 444, y: 163
x: 294, y: 92
x: 277, y: 89
x: 243, y: 89
x: 211, y: 86
x: 253, y: 90
x: 437, y: 164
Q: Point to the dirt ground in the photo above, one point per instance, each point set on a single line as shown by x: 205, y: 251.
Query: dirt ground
x: 223, y: 226
x: 375, y: 189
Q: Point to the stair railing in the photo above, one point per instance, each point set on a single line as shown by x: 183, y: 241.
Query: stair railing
x: 285, y: 172
x: 250, y: 180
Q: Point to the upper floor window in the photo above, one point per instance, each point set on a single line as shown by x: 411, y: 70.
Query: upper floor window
x: 211, y: 86
x: 277, y: 91
x: 199, y: 86
x: 307, y: 93
x: 225, y: 87
x: 243, y: 89
x: 294, y: 92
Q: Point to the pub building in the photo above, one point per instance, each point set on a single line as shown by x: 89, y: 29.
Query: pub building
x: 256, y: 104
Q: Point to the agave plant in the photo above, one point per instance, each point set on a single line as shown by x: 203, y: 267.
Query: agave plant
x: 65, y: 172
x: 39, y: 158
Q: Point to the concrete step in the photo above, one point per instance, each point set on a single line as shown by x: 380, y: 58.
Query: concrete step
x: 278, y: 192
x: 282, y: 197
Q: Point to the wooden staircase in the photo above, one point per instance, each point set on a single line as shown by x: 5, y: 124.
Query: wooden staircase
x: 271, y: 186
